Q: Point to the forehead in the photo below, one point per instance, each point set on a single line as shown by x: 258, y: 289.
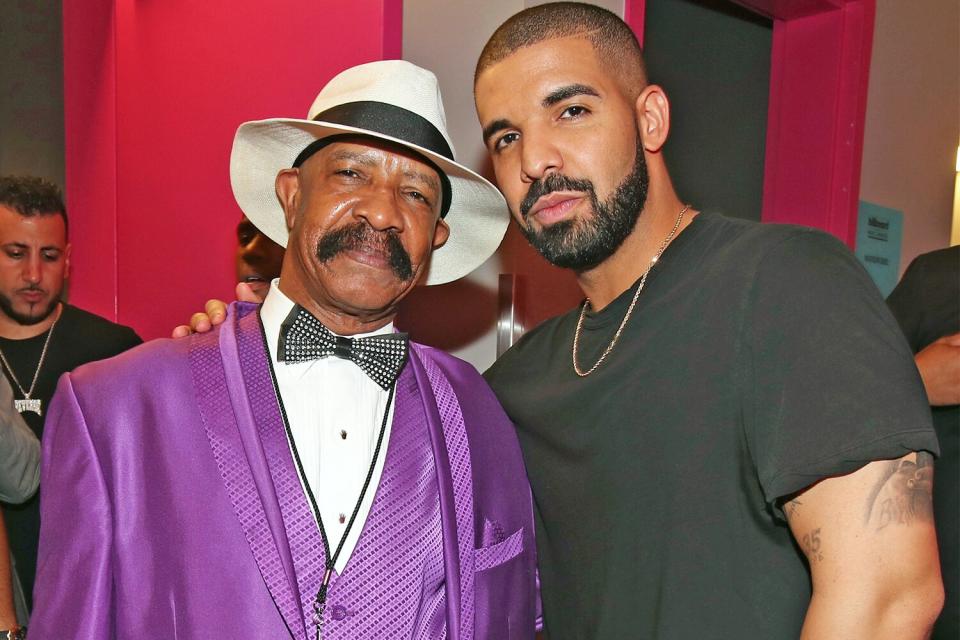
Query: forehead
x: 44, y: 229
x: 531, y: 73
x: 393, y: 158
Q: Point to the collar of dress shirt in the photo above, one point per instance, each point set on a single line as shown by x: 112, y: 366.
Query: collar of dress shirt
x: 275, y: 309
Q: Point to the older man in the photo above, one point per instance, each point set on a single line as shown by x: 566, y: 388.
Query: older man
x: 244, y: 483
x: 728, y: 439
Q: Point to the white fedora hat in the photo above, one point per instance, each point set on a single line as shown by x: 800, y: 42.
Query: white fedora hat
x: 392, y: 100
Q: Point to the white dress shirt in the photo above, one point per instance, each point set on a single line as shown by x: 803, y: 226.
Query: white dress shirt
x: 335, y: 411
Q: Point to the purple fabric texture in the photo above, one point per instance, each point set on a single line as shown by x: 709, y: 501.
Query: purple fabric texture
x: 458, y: 454
x: 393, y: 585
x: 172, y: 508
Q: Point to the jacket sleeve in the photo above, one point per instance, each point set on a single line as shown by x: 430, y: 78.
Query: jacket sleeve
x: 73, y: 591
x: 19, y: 451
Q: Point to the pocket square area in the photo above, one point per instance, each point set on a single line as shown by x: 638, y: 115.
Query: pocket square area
x: 496, y: 554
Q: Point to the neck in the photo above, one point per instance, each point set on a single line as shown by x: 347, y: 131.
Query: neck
x: 619, y: 272
x: 344, y: 322
x: 13, y: 330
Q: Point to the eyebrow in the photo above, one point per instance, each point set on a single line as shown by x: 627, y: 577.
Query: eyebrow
x: 494, y: 127
x: 557, y: 95
x: 368, y: 159
x: 431, y: 181
x: 23, y: 245
x: 362, y: 157
x: 568, y: 91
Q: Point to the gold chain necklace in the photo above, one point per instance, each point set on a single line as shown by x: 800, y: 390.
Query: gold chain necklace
x: 633, y: 303
x: 28, y: 403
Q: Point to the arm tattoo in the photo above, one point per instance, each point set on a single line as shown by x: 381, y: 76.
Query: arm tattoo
x: 904, y: 494
x: 810, y: 543
x: 792, y: 507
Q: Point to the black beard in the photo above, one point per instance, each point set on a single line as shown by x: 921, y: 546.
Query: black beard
x: 360, y: 235
x: 6, y: 306
x: 583, y: 244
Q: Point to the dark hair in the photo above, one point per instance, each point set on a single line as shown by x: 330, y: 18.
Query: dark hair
x: 32, y: 196
x: 613, y: 40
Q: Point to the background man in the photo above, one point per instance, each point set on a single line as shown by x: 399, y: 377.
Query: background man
x: 40, y: 336
x: 728, y: 395
x: 926, y: 303
x: 258, y: 258
x: 379, y: 493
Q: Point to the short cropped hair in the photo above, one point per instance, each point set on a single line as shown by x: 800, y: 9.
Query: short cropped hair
x: 31, y: 196
x: 613, y: 40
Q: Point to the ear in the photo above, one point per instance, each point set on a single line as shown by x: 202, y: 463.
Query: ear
x: 440, y: 234
x: 653, y: 117
x: 287, y: 186
x: 66, y: 261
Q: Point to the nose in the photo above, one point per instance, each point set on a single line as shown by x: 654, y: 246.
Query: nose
x: 31, y: 270
x: 380, y: 208
x: 539, y: 156
x: 256, y: 249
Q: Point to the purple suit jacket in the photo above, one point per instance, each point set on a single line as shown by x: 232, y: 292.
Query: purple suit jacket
x: 160, y: 518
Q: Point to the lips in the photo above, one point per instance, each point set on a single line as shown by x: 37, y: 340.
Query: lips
x: 555, y: 206
x: 33, y: 295
x: 372, y: 256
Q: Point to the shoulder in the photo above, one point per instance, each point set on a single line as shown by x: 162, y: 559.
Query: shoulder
x: 157, y: 367
x: 947, y: 258
x: 449, y: 364
x: 942, y: 264
x: 531, y: 351
x: 464, y: 379
x: 97, y: 327
x: 755, y: 243
x: 479, y: 406
x: 142, y: 360
x: 791, y: 255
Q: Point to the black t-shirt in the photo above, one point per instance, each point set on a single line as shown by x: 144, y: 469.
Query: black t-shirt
x: 926, y: 303
x: 78, y: 337
x: 759, y: 359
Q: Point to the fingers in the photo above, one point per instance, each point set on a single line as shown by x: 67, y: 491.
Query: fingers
x: 200, y: 323
x: 245, y: 293
x: 216, y: 311
x: 181, y: 331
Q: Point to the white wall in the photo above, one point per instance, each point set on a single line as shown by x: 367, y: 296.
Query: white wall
x: 913, y: 118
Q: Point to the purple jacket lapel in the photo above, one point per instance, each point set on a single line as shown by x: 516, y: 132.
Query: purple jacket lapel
x: 230, y: 406
x: 451, y: 452
x: 243, y: 422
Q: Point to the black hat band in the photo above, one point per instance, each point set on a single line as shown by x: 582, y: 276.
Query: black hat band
x: 389, y: 120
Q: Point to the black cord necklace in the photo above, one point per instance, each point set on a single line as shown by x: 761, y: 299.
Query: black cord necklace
x: 330, y: 560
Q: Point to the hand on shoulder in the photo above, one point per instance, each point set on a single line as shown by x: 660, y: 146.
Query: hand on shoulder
x: 214, y: 313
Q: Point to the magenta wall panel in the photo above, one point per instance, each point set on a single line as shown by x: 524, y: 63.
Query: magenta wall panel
x: 820, y: 65
x: 90, y: 125
x: 154, y: 93
x: 818, y: 93
x: 634, y: 14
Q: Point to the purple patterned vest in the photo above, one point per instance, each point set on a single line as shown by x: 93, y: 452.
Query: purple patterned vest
x: 392, y: 586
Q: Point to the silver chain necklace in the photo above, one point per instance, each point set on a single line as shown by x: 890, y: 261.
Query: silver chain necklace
x: 28, y: 403
x: 633, y: 303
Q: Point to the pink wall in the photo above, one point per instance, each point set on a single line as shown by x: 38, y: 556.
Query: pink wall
x: 819, y: 70
x: 155, y: 90
x: 153, y: 94
x: 818, y: 92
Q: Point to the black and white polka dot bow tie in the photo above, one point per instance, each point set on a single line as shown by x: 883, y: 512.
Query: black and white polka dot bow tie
x: 303, y: 338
